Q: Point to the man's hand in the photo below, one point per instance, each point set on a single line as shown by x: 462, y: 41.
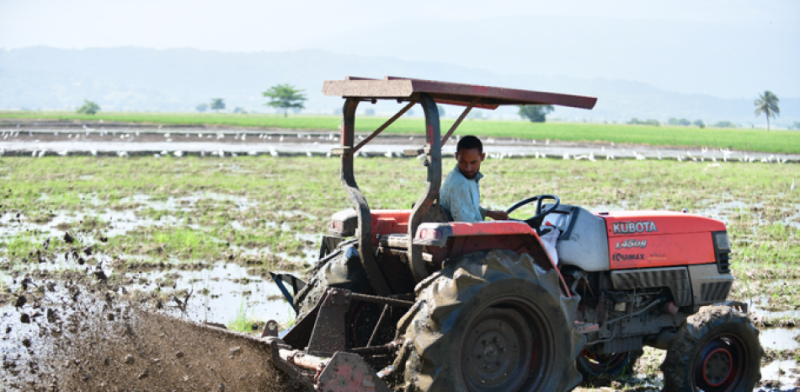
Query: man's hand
x: 497, y: 215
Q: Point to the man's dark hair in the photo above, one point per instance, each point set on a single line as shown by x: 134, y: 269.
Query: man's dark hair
x: 468, y: 143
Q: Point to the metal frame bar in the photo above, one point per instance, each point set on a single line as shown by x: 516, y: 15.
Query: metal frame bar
x: 459, y: 120
x: 433, y: 161
x: 381, y: 128
x: 358, y: 200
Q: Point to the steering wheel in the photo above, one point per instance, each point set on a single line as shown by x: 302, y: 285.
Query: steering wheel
x: 536, y: 220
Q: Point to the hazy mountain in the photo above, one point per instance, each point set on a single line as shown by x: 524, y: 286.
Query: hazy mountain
x: 129, y: 78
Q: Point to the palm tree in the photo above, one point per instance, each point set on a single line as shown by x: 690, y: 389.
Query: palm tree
x: 767, y: 103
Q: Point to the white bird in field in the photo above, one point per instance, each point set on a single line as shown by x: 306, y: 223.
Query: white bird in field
x: 244, y: 137
x: 534, y: 141
x: 187, y: 135
x: 122, y: 154
x: 328, y: 155
x: 41, y: 153
x: 273, y: 152
x: 221, y: 153
x: 679, y: 158
x: 63, y: 153
x: 280, y: 139
x: 388, y: 154
x: 309, y: 154
x: 200, y: 135
x: 547, y: 141
x: 591, y: 157
x: 164, y: 153
x: 688, y: 153
x: 166, y: 135
x: 94, y: 153
x: 713, y: 165
x: 178, y: 153
x: 792, y: 188
x: 202, y: 154
x: 33, y: 154
x: 156, y: 155
x: 233, y: 154
x: 566, y: 157
x: 252, y: 153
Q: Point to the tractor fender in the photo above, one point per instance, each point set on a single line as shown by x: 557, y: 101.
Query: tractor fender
x: 489, y: 235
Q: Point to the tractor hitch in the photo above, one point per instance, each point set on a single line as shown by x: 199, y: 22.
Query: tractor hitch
x: 343, y: 372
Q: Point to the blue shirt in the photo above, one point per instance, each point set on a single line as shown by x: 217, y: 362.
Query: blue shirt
x: 461, y: 197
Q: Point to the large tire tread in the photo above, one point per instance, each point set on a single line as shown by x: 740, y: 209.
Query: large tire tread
x: 432, y: 337
x: 698, y: 330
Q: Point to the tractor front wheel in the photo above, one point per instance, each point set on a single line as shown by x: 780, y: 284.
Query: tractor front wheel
x: 493, y: 322
x: 717, y: 350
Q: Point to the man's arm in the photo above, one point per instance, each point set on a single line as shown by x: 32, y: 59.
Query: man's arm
x: 497, y: 215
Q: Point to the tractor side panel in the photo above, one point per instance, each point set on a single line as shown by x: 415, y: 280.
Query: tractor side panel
x: 648, y: 251
x: 660, y: 239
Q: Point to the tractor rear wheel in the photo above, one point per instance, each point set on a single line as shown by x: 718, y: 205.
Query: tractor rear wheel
x: 598, y: 366
x: 717, y: 349
x: 493, y: 322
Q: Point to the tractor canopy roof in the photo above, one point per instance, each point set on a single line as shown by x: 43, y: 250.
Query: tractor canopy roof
x: 405, y: 89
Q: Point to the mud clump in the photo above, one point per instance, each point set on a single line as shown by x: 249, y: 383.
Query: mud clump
x: 77, y: 346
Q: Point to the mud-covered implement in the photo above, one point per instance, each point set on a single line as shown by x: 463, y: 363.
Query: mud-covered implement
x: 407, y: 300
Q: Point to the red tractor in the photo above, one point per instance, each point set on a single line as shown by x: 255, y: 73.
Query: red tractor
x: 407, y: 300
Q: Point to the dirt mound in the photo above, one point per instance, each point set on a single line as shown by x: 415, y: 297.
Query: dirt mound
x: 91, y: 337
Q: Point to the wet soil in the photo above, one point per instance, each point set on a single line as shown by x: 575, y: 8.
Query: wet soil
x: 86, y: 334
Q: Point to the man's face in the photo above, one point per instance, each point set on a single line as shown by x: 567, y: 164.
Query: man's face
x: 469, y: 162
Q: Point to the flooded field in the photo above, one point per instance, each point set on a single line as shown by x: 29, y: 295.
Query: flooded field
x: 195, y: 237
x: 46, y: 140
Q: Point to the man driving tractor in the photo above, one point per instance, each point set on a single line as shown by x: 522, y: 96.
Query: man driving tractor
x: 460, y: 193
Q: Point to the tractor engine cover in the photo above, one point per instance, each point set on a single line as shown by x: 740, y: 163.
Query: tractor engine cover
x: 660, y: 239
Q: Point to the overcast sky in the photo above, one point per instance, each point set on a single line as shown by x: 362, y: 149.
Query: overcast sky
x: 246, y: 26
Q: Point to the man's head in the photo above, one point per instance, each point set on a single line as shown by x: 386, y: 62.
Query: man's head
x: 469, y: 154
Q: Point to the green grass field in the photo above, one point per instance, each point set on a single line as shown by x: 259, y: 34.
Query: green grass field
x: 735, y: 139
x: 187, y: 206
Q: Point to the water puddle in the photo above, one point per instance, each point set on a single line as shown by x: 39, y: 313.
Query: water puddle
x: 783, y: 371
x: 220, y: 293
x: 779, y: 338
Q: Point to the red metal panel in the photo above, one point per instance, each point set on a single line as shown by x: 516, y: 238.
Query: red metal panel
x: 388, y: 222
x: 490, y: 228
x: 658, y: 222
x: 644, y: 239
x: 668, y: 250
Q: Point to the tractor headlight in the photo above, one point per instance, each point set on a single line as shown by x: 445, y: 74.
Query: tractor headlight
x: 722, y: 251
x: 721, y: 241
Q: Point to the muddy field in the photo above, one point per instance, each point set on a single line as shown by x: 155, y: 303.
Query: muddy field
x: 159, y: 248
